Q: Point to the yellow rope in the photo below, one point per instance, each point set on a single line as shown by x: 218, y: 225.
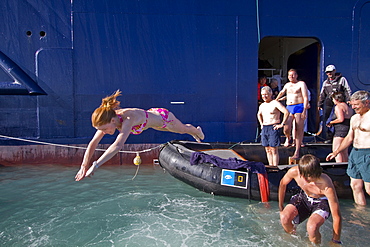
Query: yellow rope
x: 68, y: 146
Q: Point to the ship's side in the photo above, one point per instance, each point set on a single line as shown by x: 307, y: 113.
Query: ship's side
x: 199, y: 59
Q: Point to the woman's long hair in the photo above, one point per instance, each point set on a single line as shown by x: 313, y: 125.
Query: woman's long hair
x: 106, y: 110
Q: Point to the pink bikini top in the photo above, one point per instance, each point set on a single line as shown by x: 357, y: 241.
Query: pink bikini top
x: 137, y: 129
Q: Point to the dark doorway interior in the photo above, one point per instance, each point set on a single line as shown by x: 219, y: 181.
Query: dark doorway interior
x: 305, y: 61
x: 279, y: 54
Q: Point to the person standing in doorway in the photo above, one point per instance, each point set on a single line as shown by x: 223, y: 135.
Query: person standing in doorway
x: 260, y: 84
x: 297, y: 104
x: 269, y: 119
x: 274, y: 85
x: 335, y: 82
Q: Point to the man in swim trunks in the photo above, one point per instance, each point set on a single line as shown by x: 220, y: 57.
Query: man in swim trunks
x: 316, y: 201
x: 269, y: 118
x: 358, y: 135
x: 297, y: 104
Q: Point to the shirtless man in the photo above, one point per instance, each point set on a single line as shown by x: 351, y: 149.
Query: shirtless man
x: 358, y: 134
x: 316, y: 201
x: 269, y: 118
x: 297, y: 105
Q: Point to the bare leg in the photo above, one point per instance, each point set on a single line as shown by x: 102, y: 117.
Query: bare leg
x: 313, y: 228
x: 294, y: 134
x: 299, y: 121
x: 336, y: 143
x: 357, y: 186
x: 288, y: 129
x: 275, y: 156
x: 269, y: 155
x: 286, y: 218
x: 367, y: 188
x: 177, y: 126
x: 294, y: 127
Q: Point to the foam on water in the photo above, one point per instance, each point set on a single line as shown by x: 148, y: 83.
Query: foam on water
x: 44, y: 206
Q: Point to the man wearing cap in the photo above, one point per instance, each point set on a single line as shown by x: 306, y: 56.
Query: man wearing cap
x: 334, y: 83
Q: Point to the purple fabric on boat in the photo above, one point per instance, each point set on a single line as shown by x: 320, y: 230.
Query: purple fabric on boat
x: 230, y: 163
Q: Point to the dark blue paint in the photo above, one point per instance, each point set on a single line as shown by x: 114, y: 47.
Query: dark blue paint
x: 203, y: 53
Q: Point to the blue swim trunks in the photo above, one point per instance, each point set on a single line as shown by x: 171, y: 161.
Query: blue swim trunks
x: 359, y: 164
x: 269, y: 136
x: 297, y: 108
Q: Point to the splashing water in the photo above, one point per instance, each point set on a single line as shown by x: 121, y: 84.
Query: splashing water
x: 44, y: 206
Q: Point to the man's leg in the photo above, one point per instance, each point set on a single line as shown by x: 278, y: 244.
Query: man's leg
x: 357, y: 186
x: 275, y: 156
x: 299, y: 124
x: 313, y: 228
x: 288, y: 129
x: 287, y: 216
x: 269, y: 155
x: 367, y: 188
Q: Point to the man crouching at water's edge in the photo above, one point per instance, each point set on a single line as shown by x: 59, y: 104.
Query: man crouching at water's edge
x: 316, y: 200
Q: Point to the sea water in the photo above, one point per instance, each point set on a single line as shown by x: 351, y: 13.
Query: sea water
x: 44, y: 206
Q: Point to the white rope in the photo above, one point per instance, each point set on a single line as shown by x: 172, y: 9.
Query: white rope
x: 137, y: 170
x: 76, y: 147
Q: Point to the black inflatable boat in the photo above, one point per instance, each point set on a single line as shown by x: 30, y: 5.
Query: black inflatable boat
x: 179, y: 158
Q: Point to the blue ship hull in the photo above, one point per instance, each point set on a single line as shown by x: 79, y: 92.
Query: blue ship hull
x: 199, y: 59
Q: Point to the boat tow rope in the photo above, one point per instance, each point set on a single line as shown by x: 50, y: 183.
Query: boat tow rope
x: 76, y: 147
x: 136, y: 161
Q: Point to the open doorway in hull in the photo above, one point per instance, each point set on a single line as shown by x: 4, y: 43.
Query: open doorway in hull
x: 279, y: 54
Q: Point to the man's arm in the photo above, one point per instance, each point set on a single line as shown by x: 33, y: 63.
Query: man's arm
x: 322, y: 96
x: 347, y: 89
x: 283, y: 110
x: 283, y: 184
x: 347, y: 141
x: 259, y: 116
x: 331, y: 194
x: 281, y: 93
x: 304, y: 91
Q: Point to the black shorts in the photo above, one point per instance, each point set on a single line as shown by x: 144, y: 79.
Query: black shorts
x: 307, y: 206
x: 341, y: 130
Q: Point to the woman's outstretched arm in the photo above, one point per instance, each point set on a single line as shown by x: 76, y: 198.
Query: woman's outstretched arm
x: 113, y: 149
x: 88, y: 154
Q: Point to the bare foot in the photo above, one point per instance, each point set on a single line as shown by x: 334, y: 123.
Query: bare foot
x: 294, y: 231
x: 200, y: 135
x: 295, y: 157
x: 286, y: 143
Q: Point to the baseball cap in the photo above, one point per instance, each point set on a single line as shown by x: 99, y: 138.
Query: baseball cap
x: 330, y: 68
